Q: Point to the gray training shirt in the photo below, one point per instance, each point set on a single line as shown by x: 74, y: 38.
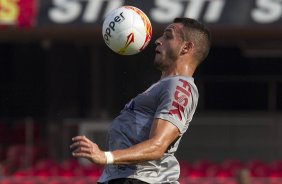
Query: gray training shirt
x: 173, y: 99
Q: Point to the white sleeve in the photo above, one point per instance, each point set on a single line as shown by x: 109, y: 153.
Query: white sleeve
x: 174, y: 103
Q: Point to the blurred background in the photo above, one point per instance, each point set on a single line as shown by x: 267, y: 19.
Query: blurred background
x: 59, y: 79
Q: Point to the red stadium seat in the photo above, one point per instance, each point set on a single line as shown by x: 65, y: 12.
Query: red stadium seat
x: 6, y: 181
x: 212, y: 170
x: 276, y: 169
x: 254, y: 163
x: 274, y: 181
x: 46, y: 167
x: 276, y: 165
x: 185, y: 167
x: 232, y: 165
x: 258, y: 168
x: 69, y: 164
x: 79, y: 181
x: 275, y: 174
x: 44, y: 164
x: 225, y: 181
x: 202, y: 164
x: 23, y: 173
x: 27, y: 181
x: 2, y: 153
x: 260, y: 171
x: 228, y: 163
x: 21, y: 155
x: 92, y: 171
x: 19, y: 128
x: 193, y: 173
x: 66, y: 174
x: 55, y: 181
x: 223, y: 174
x: 14, y: 152
x: 43, y: 173
x: 205, y: 166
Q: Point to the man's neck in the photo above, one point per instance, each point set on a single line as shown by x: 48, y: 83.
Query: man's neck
x: 182, y: 70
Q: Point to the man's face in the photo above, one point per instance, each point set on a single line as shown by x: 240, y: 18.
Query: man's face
x: 168, y: 46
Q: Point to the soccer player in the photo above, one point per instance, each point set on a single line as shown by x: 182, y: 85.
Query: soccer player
x: 142, y: 140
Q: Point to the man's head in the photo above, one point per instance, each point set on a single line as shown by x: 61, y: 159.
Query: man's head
x: 195, y: 32
x: 185, y: 39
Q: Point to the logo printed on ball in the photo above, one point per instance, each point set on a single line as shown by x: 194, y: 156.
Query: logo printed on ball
x: 111, y: 27
x: 130, y: 39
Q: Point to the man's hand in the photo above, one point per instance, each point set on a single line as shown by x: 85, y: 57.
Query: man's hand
x: 85, y: 148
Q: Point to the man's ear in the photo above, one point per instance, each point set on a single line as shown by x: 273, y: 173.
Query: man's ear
x: 188, y: 47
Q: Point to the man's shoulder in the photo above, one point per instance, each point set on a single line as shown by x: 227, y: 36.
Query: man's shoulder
x: 169, y: 84
x: 174, y: 80
x: 177, y: 78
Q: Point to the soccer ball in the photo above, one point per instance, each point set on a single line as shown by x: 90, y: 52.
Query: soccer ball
x: 127, y: 30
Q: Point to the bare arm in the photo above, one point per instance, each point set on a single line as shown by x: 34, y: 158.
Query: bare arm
x: 162, y: 134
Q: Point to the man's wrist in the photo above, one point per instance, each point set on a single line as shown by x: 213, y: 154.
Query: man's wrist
x: 109, y: 157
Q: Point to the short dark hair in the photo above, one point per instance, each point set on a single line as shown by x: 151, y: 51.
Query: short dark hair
x: 199, y: 34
